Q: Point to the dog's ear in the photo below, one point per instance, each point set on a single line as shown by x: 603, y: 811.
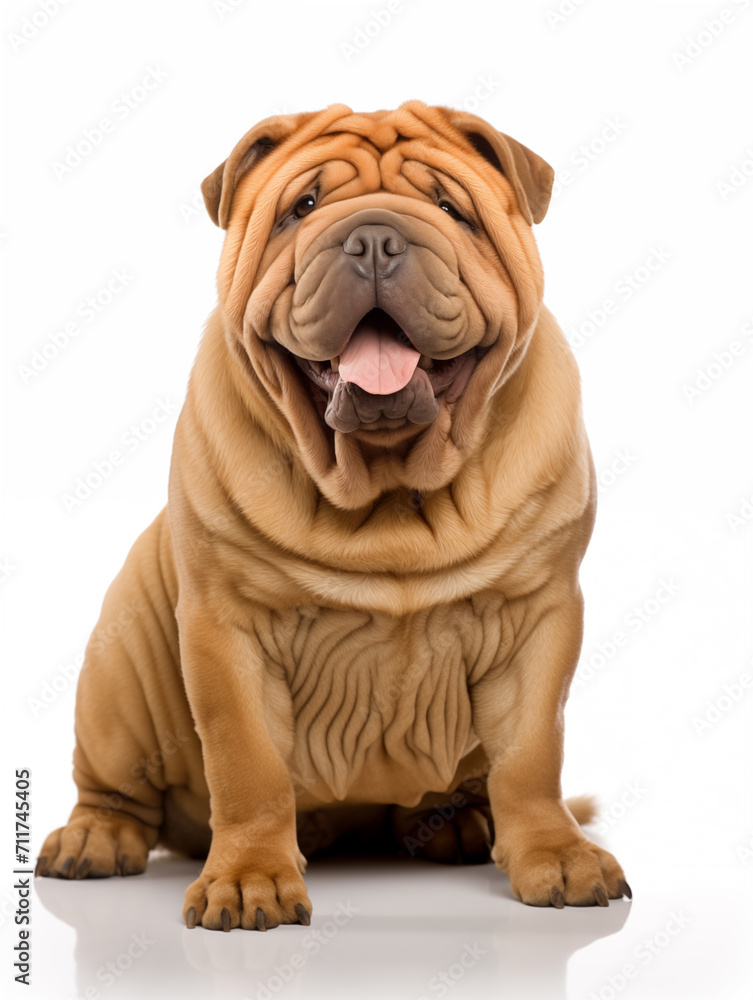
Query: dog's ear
x: 219, y: 187
x: 531, y: 177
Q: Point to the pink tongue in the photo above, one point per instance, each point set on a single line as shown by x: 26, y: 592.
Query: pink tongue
x: 376, y: 361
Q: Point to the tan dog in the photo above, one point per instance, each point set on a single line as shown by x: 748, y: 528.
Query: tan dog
x: 363, y: 593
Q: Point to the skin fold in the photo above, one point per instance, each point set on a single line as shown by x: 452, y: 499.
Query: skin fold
x: 357, y: 611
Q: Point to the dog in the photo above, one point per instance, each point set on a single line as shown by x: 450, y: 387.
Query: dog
x: 361, y: 601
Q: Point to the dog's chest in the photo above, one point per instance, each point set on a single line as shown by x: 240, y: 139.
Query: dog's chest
x: 381, y: 706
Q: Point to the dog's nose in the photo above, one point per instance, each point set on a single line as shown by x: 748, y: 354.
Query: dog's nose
x: 375, y: 248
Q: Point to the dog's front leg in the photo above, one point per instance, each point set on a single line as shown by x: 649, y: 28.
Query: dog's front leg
x: 252, y: 877
x: 518, y: 715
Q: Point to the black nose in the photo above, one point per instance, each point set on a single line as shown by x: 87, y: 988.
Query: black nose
x: 375, y: 249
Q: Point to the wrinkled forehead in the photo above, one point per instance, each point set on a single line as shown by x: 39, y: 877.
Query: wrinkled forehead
x: 346, y: 166
x: 384, y: 132
x: 359, y: 153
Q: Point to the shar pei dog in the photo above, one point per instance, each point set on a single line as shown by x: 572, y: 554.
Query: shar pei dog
x: 360, y: 609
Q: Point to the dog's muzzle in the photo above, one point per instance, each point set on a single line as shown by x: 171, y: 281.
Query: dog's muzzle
x: 379, y: 373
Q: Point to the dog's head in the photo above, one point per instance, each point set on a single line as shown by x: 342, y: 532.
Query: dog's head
x: 380, y: 275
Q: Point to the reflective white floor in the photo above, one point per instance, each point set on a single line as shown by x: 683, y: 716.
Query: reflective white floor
x: 399, y: 929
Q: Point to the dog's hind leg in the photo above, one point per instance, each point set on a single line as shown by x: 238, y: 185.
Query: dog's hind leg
x: 134, y: 734
x: 454, y: 826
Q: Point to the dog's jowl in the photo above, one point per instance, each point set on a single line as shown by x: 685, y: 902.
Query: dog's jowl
x: 360, y: 609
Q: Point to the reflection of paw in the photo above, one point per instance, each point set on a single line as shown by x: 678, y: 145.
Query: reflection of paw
x: 94, y: 847
x: 578, y: 873
x: 248, y: 895
x: 462, y: 839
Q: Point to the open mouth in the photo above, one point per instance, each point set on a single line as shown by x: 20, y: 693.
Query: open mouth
x: 380, y: 374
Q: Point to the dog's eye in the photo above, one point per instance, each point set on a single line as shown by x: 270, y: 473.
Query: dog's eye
x: 453, y: 212
x: 304, y: 205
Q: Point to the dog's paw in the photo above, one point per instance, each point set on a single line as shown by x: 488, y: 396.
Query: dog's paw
x: 576, y: 874
x: 250, y: 896
x: 464, y: 838
x: 95, y: 846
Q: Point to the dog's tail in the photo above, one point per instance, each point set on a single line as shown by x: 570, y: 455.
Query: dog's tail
x: 583, y: 808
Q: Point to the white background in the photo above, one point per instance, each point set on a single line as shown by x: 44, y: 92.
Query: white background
x: 676, y: 795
